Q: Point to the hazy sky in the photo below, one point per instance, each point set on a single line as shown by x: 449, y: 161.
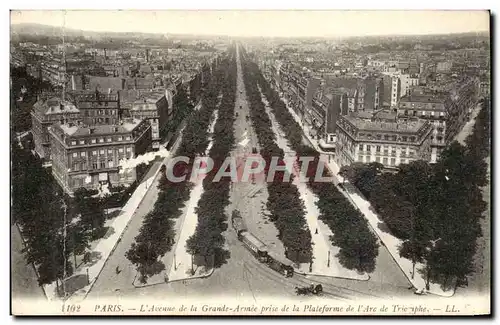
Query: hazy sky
x: 264, y: 23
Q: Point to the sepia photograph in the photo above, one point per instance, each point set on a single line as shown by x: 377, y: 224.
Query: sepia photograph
x: 250, y: 162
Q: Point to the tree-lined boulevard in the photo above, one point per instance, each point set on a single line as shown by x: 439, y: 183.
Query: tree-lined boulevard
x: 434, y: 209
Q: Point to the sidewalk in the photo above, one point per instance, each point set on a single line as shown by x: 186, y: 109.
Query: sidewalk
x: 325, y: 261
x: 392, y: 243
x: 469, y: 126
x: 105, y: 247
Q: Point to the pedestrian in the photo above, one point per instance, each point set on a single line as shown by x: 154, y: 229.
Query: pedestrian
x: 316, y: 231
x: 117, y: 270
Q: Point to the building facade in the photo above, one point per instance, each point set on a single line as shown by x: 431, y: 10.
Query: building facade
x: 98, y: 108
x: 45, y: 112
x: 387, y: 141
x: 153, y: 107
x: 448, y: 112
x: 89, y: 157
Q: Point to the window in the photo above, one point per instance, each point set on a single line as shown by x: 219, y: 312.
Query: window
x: 393, y: 161
x: 378, y: 148
x: 82, y: 141
x: 129, y: 149
x: 101, y: 140
x: 377, y: 159
x: 360, y: 158
x: 94, y: 165
x: 101, y: 152
x: 127, y: 138
x: 385, y: 161
x: 75, y: 154
x: 361, y: 147
x: 394, y: 138
x: 110, y: 151
x: 84, y: 165
x: 120, y: 138
x: 120, y: 150
x: 367, y: 159
x: 103, y: 164
x: 405, y: 138
x: 94, y: 153
x: 110, y: 163
x: 368, y: 148
x: 82, y: 154
x: 73, y: 143
x: 93, y: 141
x: 109, y: 139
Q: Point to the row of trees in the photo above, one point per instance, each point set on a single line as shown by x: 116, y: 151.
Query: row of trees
x: 183, y: 108
x: 358, y: 245
x: 54, y: 226
x: 434, y: 208
x: 207, y: 239
x: 284, y: 203
x: 156, y: 235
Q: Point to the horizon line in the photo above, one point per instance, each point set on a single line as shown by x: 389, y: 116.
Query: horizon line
x: 252, y: 36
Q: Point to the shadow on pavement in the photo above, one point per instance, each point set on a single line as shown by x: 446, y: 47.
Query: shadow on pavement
x: 383, y: 227
x: 93, y: 258
x: 73, y: 284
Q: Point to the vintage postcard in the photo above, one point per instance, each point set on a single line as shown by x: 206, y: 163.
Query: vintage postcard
x: 250, y: 162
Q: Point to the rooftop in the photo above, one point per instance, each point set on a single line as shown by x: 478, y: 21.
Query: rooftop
x: 79, y: 130
x: 54, y: 105
x: 421, y: 98
x: 364, y: 124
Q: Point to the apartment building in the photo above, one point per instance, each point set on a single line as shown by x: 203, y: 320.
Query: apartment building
x: 48, y: 110
x: 381, y: 138
x: 447, y: 111
x: 91, y: 156
x: 154, y: 107
x: 98, y: 108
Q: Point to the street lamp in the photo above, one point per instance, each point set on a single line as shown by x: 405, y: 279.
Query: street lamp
x: 175, y: 263
x: 328, y: 262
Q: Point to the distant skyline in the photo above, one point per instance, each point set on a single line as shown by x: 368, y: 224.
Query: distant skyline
x: 263, y: 23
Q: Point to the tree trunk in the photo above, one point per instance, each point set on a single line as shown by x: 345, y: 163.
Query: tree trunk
x: 427, y: 280
x: 74, y: 258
